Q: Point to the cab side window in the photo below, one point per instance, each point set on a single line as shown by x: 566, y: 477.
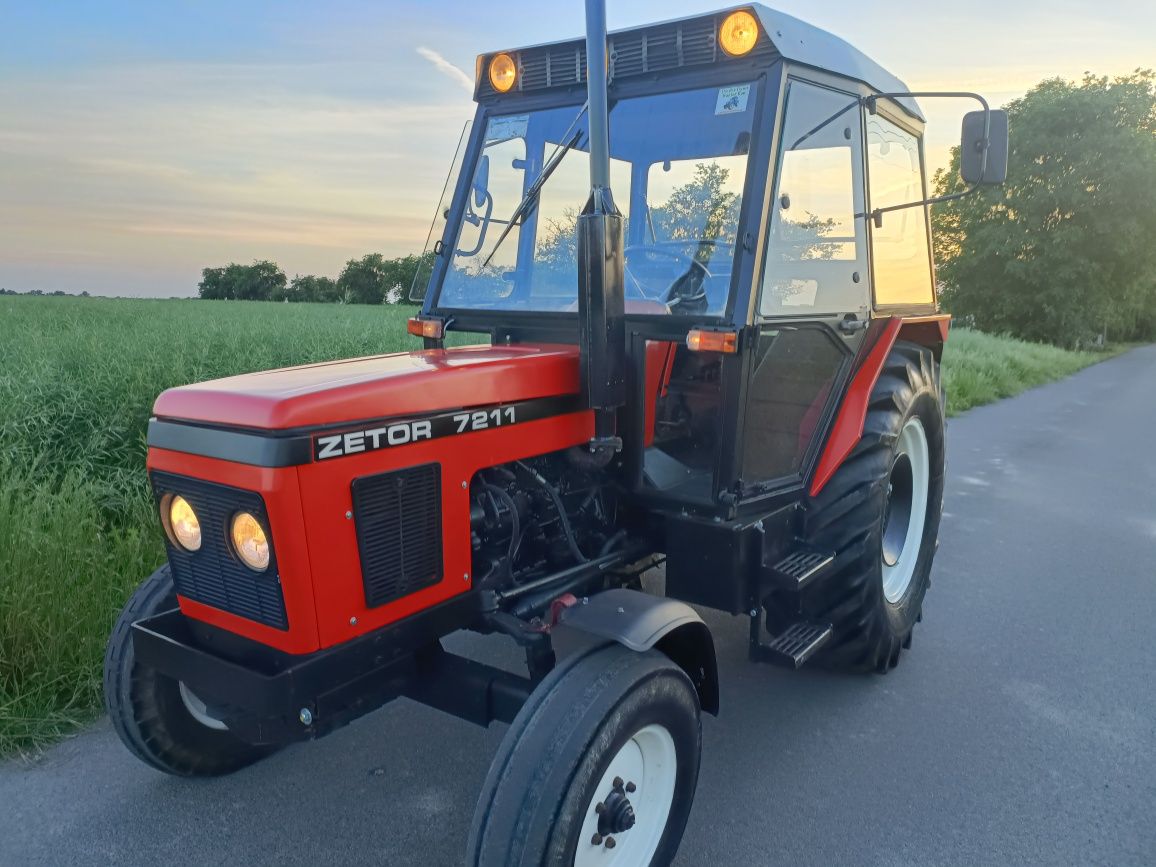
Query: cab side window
x: 816, y: 253
x: 901, y: 256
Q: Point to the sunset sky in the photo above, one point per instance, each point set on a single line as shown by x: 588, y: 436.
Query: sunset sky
x: 141, y: 142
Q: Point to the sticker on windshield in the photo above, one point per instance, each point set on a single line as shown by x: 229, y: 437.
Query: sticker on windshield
x: 505, y: 128
x: 733, y: 99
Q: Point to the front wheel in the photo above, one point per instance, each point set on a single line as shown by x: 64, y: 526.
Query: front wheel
x: 161, y: 721
x: 598, y: 768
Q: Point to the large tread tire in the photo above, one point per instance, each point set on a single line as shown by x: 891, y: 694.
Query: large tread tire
x: 847, y: 518
x: 146, y: 708
x: 547, y: 770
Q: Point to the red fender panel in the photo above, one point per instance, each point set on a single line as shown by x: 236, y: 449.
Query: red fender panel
x: 928, y: 331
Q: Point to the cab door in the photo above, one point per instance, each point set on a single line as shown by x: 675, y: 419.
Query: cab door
x: 815, y: 275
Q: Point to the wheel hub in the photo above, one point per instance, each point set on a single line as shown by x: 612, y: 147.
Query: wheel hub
x: 615, y: 813
x: 905, y: 510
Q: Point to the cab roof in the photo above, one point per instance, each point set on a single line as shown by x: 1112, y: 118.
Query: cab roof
x: 690, y: 42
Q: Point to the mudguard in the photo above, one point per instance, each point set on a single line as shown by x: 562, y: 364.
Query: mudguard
x: 642, y: 622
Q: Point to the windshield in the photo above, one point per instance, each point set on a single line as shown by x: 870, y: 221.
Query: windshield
x: 678, y: 166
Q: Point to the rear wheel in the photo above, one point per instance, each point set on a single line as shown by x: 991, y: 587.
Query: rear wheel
x: 161, y: 721
x: 598, y: 768
x: 880, y: 514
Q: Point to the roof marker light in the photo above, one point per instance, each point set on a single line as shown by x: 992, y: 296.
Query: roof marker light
x: 738, y: 34
x: 503, y: 72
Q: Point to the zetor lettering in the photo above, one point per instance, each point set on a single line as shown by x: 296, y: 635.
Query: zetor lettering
x: 370, y: 440
x: 406, y: 432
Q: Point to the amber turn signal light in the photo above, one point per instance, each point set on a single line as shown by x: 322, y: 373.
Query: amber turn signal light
x: 432, y: 328
x: 739, y: 33
x: 713, y: 341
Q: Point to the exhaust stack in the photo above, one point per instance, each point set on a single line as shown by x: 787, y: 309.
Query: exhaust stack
x: 601, y: 280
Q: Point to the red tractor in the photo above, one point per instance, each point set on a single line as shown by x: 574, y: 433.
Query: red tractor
x: 729, y: 365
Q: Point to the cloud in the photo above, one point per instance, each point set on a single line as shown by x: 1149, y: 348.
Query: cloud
x: 446, y: 68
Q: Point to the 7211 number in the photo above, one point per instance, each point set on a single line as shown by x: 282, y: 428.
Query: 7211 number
x: 482, y: 419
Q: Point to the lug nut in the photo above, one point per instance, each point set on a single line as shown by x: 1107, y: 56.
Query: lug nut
x: 610, y: 844
x: 631, y: 788
x: 617, y: 784
x: 596, y: 840
x: 599, y: 808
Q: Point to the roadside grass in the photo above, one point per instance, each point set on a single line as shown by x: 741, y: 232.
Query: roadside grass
x: 77, y: 527
x: 78, y: 377
x: 981, y: 368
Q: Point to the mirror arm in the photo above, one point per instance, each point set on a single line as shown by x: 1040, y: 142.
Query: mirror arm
x: 870, y: 102
x: 877, y: 215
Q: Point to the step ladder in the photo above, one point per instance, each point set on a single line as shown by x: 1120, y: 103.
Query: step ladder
x: 796, y: 644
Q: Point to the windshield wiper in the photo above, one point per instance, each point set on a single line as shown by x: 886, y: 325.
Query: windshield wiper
x: 531, y: 196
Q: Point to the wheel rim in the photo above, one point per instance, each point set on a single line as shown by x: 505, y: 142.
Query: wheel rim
x: 198, y: 710
x: 643, y: 774
x: 906, y: 510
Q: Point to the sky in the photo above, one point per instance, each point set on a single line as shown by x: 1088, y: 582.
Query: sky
x: 143, y: 141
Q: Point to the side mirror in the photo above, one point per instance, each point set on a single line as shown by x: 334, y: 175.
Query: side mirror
x: 482, y: 181
x: 983, y: 147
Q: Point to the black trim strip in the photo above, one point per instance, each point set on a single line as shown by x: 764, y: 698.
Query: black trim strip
x: 275, y: 449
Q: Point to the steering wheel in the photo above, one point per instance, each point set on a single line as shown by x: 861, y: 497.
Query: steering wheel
x: 698, y: 271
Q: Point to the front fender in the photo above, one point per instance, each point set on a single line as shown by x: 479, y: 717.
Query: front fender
x: 642, y: 622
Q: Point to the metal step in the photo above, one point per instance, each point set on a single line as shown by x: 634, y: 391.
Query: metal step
x: 796, y: 644
x: 798, y: 569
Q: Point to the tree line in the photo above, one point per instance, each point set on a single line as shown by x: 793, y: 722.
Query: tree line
x: 1065, y: 251
x: 372, y: 279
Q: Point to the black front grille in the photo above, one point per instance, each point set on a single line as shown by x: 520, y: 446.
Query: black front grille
x: 399, y: 531
x: 213, y: 575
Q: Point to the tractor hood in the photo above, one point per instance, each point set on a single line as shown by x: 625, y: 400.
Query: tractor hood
x: 381, y: 386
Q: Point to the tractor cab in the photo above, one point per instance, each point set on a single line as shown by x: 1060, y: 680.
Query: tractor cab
x: 747, y: 151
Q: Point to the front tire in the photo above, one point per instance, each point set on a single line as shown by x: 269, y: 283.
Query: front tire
x: 880, y: 514
x: 599, y: 767
x: 161, y: 721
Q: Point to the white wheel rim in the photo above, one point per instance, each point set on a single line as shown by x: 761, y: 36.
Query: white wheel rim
x: 648, y: 761
x: 198, y: 710
x: 906, y: 511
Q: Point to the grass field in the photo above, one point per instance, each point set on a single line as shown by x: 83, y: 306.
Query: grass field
x: 77, y: 531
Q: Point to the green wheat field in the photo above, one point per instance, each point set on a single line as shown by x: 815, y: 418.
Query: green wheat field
x: 78, y: 377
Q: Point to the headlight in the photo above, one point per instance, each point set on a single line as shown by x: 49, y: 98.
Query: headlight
x: 250, y: 542
x: 739, y: 33
x: 181, y: 522
x: 502, y: 72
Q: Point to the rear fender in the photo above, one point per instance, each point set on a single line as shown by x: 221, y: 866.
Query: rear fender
x: 930, y: 331
x: 642, y: 622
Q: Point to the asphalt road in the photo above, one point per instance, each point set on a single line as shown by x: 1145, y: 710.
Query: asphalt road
x: 1020, y: 729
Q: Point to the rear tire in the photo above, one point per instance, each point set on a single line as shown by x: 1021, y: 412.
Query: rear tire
x: 161, y: 722
x: 609, y: 727
x: 880, y: 514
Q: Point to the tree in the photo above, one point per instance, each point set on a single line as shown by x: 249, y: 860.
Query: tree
x: 1064, y: 252
x: 373, y: 279
x: 261, y: 281
x: 313, y: 289
x: 700, y: 208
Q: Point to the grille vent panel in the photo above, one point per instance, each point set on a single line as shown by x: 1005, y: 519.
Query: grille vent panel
x: 399, y: 532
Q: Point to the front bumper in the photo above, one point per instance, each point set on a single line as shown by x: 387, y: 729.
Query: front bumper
x: 266, y: 696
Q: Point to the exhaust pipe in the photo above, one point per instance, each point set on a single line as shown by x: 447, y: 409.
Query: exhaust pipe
x: 601, y: 279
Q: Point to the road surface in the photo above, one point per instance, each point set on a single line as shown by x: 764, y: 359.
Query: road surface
x: 1020, y: 729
